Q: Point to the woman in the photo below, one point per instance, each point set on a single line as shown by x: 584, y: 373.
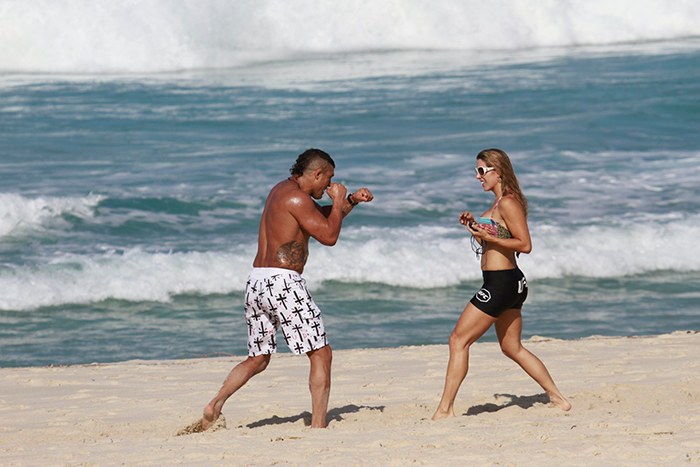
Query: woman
x: 499, y: 235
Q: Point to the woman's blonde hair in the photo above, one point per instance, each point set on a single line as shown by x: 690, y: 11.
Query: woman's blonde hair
x: 509, y: 182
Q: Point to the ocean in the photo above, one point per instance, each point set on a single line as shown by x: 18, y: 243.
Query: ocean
x: 138, y: 141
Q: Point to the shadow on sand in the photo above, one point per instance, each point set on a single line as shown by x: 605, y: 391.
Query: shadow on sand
x: 524, y: 402
x: 333, y: 415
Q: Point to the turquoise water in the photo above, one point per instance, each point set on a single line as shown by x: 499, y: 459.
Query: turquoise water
x: 129, y: 202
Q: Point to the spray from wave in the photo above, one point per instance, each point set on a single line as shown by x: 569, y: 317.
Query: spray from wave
x: 133, y: 275
x: 163, y: 35
x: 417, y: 257
x: 19, y: 214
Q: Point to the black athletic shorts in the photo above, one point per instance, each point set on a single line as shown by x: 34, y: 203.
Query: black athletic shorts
x: 502, y: 290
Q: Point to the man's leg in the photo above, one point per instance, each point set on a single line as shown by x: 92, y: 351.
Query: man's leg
x: 235, y: 380
x: 320, y: 384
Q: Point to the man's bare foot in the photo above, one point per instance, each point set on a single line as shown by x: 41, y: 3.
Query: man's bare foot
x: 197, y: 426
x: 209, y: 417
x: 439, y: 414
x: 559, y: 401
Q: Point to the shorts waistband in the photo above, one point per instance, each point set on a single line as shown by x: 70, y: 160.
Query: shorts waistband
x: 502, y: 272
x: 266, y: 273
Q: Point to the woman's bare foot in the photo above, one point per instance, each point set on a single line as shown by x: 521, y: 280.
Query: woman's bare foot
x: 440, y: 414
x: 559, y: 401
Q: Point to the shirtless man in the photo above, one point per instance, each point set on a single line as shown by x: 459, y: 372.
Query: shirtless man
x: 276, y: 294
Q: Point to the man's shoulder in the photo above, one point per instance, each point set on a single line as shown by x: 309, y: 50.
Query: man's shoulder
x: 287, y: 193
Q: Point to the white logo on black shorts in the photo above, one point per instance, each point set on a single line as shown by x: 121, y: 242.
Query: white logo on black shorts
x: 483, y: 295
x: 522, y: 285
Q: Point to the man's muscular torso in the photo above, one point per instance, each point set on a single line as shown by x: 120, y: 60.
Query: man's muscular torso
x: 282, y: 242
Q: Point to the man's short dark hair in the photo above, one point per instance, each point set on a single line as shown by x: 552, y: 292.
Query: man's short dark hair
x: 308, y: 158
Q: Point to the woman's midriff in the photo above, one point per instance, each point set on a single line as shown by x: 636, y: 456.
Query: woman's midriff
x: 496, y: 259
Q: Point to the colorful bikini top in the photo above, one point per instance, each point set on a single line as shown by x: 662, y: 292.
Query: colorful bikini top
x: 493, y: 227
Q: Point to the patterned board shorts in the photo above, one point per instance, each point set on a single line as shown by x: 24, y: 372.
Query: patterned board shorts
x: 277, y: 297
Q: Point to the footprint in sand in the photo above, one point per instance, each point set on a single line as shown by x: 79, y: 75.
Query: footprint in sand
x: 196, y: 426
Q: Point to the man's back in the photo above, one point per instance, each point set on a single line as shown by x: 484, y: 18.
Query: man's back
x: 291, y: 216
x: 282, y: 243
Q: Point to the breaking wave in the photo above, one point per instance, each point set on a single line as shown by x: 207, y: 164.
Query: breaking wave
x: 163, y: 35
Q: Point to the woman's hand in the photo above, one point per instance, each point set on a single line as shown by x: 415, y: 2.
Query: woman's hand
x: 480, y: 234
x: 466, y: 218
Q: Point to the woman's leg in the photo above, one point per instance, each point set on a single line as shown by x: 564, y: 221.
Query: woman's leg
x: 472, y: 324
x: 508, y: 329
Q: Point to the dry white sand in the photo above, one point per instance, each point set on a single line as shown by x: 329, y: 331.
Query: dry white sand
x: 636, y: 402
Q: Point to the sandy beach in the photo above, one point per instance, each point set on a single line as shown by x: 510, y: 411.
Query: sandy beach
x: 636, y: 402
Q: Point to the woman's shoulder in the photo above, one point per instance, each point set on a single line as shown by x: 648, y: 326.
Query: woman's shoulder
x: 509, y: 203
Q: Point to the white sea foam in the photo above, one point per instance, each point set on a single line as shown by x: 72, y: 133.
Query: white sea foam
x: 133, y: 275
x: 428, y: 257
x: 161, y: 35
x: 20, y: 214
x: 417, y: 257
x: 615, y: 249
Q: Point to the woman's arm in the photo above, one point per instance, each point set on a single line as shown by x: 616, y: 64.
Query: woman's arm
x: 514, y: 217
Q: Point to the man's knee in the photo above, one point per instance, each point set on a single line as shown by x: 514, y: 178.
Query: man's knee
x: 324, y: 354
x: 327, y: 353
x: 321, y: 359
x: 259, y: 363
